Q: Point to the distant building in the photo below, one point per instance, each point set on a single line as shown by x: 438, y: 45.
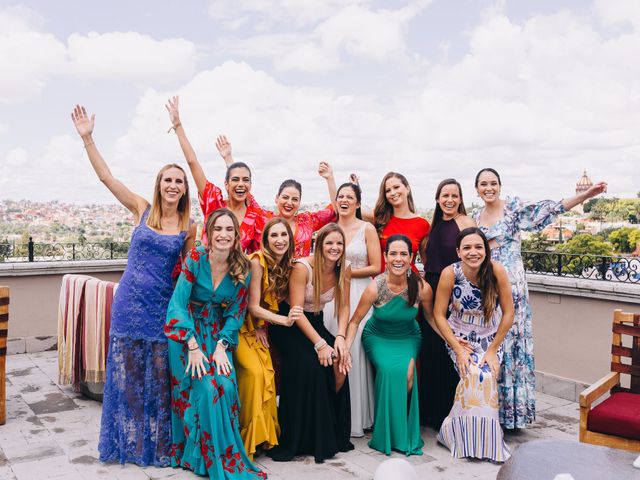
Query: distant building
x: 583, y: 185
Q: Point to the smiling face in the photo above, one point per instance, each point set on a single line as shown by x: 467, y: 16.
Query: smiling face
x: 288, y: 202
x: 173, y: 185
x: 488, y: 187
x: 278, y: 238
x: 222, y: 236
x: 395, y: 192
x: 398, y: 258
x: 333, y: 247
x: 472, y: 251
x: 239, y: 184
x: 449, y: 201
x: 347, y: 201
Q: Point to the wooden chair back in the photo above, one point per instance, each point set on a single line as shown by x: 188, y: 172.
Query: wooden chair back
x: 626, y: 345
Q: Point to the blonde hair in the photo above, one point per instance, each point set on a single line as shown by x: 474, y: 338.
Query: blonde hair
x: 238, y: 261
x: 154, y: 220
x: 383, y: 210
x: 318, y: 260
x: 277, y: 271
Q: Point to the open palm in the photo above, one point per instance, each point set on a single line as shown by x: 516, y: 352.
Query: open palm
x: 82, y: 121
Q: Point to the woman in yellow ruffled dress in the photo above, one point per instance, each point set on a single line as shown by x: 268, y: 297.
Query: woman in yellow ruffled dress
x: 270, y: 270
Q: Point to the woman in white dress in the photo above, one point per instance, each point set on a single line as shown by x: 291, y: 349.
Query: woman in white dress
x: 363, y: 253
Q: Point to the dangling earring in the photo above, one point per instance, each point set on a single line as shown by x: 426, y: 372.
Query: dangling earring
x: 409, y: 273
x: 339, y: 262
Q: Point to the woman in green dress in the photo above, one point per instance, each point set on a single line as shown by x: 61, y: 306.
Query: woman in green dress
x: 205, y: 313
x: 391, y: 339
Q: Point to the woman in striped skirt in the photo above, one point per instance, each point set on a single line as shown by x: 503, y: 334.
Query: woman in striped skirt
x: 477, y: 296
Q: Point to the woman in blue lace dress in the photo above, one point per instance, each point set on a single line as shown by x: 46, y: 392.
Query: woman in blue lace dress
x: 502, y: 221
x: 136, y: 408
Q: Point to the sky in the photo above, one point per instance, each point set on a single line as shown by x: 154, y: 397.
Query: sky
x: 430, y: 88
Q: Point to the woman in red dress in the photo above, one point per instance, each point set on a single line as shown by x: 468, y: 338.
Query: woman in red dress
x: 251, y: 216
x: 395, y: 212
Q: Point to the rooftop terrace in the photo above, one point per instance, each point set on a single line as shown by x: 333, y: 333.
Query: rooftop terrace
x: 52, y: 432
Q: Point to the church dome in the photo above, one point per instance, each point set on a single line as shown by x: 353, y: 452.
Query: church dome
x: 584, y: 183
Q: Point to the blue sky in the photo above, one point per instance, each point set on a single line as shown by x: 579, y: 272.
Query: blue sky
x: 433, y: 89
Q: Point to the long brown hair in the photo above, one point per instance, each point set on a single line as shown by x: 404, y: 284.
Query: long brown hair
x: 487, y: 282
x: 154, y: 220
x: 437, y: 213
x: 318, y: 260
x: 413, y: 280
x: 237, y: 260
x: 278, y: 272
x: 383, y: 210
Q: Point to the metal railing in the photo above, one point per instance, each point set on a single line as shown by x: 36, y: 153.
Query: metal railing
x: 58, y: 251
x: 595, y: 267
x: 616, y: 268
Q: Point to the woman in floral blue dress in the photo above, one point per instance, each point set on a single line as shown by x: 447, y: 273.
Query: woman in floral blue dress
x: 205, y: 313
x: 502, y: 221
x: 136, y: 417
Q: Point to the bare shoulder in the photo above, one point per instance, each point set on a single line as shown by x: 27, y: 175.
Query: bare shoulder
x: 465, y: 221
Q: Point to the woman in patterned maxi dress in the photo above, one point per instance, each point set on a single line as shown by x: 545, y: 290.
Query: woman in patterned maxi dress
x: 502, y: 221
x: 474, y: 303
x: 205, y: 313
x: 136, y: 417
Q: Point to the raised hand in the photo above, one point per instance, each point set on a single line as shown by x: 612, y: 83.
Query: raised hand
x: 325, y: 170
x: 82, y: 121
x: 596, y: 189
x: 223, y: 146
x: 173, y: 107
x: 354, y: 178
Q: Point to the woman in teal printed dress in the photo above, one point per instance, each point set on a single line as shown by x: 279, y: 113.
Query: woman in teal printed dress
x: 205, y: 313
x: 502, y: 221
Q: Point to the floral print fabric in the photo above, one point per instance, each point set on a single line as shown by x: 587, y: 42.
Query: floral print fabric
x: 517, y: 385
x: 204, y: 412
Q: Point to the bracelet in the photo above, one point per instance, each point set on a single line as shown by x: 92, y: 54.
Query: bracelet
x: 320, y: 345
x: 88, y: 144
x: 174, y: 127
x: 340, y: 335
x: 192, y: 349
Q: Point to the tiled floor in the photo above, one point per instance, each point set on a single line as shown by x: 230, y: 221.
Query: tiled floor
x: 52, y: 432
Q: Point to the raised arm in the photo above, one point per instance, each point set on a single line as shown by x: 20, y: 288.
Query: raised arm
x: 326, y: 171
x: 260, y: 313
x: 505, y: 299
x: 84, y: 126
x: 374, y: 254
x: 224, y: 149
x: 173, y: 107
x: 596, y: 189
x: 297, y: 285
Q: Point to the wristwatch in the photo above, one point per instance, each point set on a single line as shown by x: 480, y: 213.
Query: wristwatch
x: 223, y: 343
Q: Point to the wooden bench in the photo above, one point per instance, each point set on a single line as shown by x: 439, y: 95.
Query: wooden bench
x: 615, y: 422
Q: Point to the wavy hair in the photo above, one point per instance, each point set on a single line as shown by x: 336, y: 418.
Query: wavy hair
x: 413, y: 280
x: 487, y: 282
x: 339, y: 270
x: 437, y: 213
x: 278, y: 272
x: 154, y: 220
x: 238, y: 262
x: 383, y: 210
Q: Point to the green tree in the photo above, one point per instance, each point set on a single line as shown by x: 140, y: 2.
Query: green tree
x: 537, y: 260
x: 588, y: 252
x: 621, y: 239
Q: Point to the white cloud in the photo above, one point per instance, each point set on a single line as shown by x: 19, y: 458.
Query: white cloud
x: 354, y: 31
x: 30, y: 57
x: 15, y: 158
x: 618, y: 12
x: 130, y: 56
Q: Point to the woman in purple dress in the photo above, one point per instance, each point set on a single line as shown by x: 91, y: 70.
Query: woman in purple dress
x: 136, y: 409
x: 438, y: 378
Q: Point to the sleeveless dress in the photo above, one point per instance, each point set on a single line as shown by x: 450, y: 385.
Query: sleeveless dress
x: 391, y: 339
x: 472, y: 428
x: 517, y: 378
x: 256, y: 377
x: 204, y: 419
x: 361, y: 382
x: 438, y: 378
x: 314, y: 418
x: 136, y: 407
